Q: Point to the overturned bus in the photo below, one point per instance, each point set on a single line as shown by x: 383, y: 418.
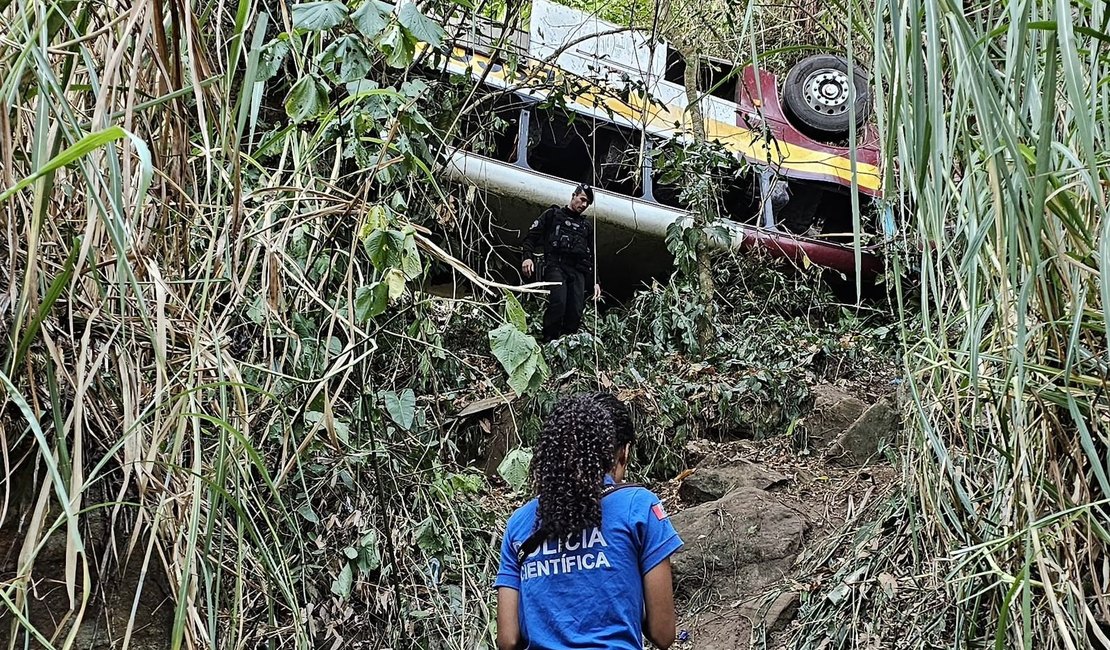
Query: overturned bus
x: 582, y: 100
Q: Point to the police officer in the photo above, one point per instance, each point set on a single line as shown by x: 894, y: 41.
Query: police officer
x: 567, y: 238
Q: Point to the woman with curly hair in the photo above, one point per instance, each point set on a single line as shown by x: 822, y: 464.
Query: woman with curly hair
x: 586, y: 564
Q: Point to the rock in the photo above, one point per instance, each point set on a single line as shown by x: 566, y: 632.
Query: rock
x: 738, y: 544
x: 781, y: 612
x: 833, y: 412
x: 731, y: 628
x: 712, y: 483
x: 861, y: 442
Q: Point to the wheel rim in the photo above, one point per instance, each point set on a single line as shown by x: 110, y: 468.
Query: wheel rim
x: 826, y: 91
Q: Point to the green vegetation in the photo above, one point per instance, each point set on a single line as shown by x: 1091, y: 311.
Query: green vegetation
x: 224, y: 366
x: 1005, y: 182
x: 995, y: 123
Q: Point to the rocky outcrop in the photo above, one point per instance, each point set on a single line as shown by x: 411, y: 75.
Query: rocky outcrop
x: 711, y: 483
x: 742, y: 537
x: 834, y: 410
x: 845, y: 430
x: 737, y: 544
x: 863, y: 439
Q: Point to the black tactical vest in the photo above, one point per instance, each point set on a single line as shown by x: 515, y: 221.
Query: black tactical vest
x: 568, y: 234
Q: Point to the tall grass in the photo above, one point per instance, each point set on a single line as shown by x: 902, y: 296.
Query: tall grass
x: 996, y: 123
x: 185, y: 382
x: 190, y: 401
x: 133, y: 415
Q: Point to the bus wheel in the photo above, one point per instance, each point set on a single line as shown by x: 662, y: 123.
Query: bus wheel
x: 816, y: 95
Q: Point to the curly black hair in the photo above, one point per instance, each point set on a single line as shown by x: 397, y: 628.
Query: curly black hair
x: 623, y: 429
x: 576, y: 448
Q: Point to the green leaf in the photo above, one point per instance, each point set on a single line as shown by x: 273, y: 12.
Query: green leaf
x: 377, y: 217
x: 511, y: 346
x: 271, y: 58
x: 309, y: 514
x: 401, y: 408
x: 420, y: 26
x: 316, y: 16
x: 308, y: 98
x: 410, y: 258
x: 520, y: 356
x: 350, y: 552
x: 77, y: 150
x: 414, y: 89
x: 428, y: 537
x: 514, y: 468
x: 369, y: 558
x: 515, y: 314
x: 527, y: 375
x: 395, y: 281
x: 345, y: 60
x: 371, y: 301
x: 384, y: 248
x: 362, y: 87
x: 372, y: 17
x: 341, y: 586
x: 397, y: 47
x: 541, y: 373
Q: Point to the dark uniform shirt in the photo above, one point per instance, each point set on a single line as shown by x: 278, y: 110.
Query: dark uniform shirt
x: 567, y: 238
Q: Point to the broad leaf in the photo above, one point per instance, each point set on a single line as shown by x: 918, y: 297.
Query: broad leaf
x: 384, y: 248
x: 372, y: 17
x: 316, y: 16
x: 309, y: 514
x: 341, y: 586
x: 369, y: 558
x: 410, y: 258
x: 345, y: 60
x: 377, y: 218
x: 515, y: 314
x: 514, y: 468
x: 271, y: 58
x: 371, y: 301
x: 520, y: 356
x: 521, y: 378
x: 420, y: 26
x: 307, y: 99
x: 401, y: 408
x: 413, y: 89
x: 397, y: 47
x: 541, y: 373
x: 395, y: 281
x: 429, y: 538
x: 361, y: 86
x: 511, y: 346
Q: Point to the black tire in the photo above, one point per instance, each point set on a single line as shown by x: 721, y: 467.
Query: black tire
x: 815, y: 96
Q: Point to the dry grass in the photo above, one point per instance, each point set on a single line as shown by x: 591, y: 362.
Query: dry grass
x: 185, y: 372
x: 189, y: 394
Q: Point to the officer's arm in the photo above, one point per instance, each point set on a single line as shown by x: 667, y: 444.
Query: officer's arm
x: 534, y: 238
x: 508, y: 625
x: 659, y: 618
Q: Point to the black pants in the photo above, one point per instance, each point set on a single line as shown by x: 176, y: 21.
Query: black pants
x: 566, y: 302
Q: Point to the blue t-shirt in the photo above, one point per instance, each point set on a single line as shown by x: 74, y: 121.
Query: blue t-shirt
x: 587, y: 591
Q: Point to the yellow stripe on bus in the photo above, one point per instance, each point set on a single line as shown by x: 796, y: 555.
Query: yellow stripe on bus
x: 740, y: 140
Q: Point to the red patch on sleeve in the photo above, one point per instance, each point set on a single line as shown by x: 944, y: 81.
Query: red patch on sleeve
x: 660, y: 514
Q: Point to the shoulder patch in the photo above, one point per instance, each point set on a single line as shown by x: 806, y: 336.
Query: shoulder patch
x: 659, y: 512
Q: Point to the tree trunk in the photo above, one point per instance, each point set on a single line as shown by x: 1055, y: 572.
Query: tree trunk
x: 703, y: 205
